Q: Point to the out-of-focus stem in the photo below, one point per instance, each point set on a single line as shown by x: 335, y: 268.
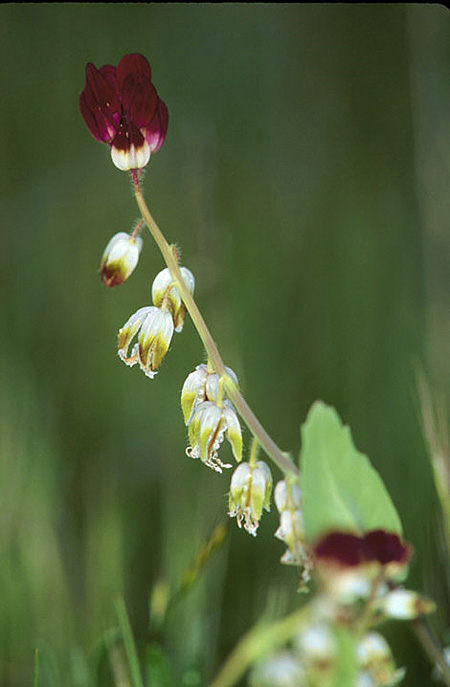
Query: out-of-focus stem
x: 261, y: 640
x: 269, y: 446
x: 431, y: 647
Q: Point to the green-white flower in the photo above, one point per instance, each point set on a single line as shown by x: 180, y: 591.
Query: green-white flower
x: 154, y: 329
x: 250, y: 491
x: 165, y: 291
x: 207, y: 428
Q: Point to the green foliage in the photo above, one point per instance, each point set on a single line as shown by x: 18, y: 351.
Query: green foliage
x: 157, y: 668
x: 341, y: 490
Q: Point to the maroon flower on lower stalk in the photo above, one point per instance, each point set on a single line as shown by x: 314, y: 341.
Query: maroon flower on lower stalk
x: 350, y: 564
x: 121, y: 107
x: 347, y: 549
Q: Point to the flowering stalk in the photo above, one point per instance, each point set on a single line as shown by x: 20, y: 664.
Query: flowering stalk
x: 351, y: 538
x: 269, y: 446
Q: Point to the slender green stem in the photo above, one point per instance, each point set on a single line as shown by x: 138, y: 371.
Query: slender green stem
x: 261, y: 640
x: 278, y: 456
x: 431, y: 647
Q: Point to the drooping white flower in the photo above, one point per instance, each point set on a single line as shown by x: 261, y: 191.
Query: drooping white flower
x: 291, y: 529
x: 250, y: 490
x: 207, y: 428
x: 154, y: 329
x: 201, y: 385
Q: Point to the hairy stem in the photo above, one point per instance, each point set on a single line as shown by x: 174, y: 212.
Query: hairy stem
x: 272, y: 450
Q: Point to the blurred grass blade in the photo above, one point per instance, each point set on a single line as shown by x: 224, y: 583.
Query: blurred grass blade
x: 214, y: 542
x: 130, y: 647
x: 436, y: 435
x: 36, y: 668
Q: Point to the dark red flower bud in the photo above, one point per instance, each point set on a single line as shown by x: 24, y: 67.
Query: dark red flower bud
x: 348, y: 550
x: 386, y: 547
x: 340, y: 548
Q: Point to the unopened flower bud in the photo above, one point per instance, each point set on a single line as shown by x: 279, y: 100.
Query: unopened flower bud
x: 374, y: 657
x: 154, y: 328
x: 405, y: 604
x: 317, y: 646
x: 250, y: 490
x: 119, y: 259
x: 207, y: 428
x: 372, y: 648
x: 164, y: 290
x: 280, y: 670
x: 201, y: 386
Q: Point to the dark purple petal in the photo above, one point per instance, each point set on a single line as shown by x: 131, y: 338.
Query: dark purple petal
x: 385, y: 548
x: 139, y: 99
x: 155, y: 132
x: 109, y: 73
x: 340, y: 548
x: 127, y: 136
x: 134, y: 64
x: 99, y: 103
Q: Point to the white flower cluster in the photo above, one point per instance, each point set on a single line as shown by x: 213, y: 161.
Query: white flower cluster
x: 288, y: 499
x: 154, y: 325
x: 312, y: 656
x: 210, y: 416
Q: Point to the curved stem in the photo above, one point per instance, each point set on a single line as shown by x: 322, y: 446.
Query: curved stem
x: 278, y: 456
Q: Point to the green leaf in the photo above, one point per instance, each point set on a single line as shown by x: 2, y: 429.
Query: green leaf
x: 341, y: 490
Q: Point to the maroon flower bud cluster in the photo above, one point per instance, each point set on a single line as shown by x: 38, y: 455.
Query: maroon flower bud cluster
x: 350, y: 550
x: 121, y: 107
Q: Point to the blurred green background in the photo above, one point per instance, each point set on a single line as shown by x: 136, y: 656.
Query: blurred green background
x: 306, y: 178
